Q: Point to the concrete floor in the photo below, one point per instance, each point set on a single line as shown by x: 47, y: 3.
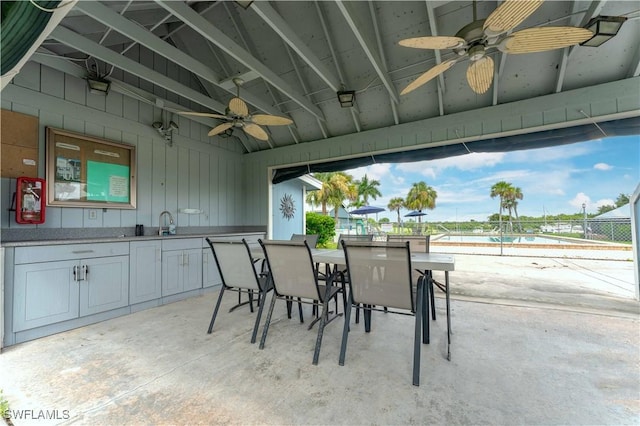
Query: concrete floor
x: 520, y: 359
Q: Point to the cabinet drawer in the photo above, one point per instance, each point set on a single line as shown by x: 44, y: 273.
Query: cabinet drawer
x: 69, y: 252
x: 181, y: 244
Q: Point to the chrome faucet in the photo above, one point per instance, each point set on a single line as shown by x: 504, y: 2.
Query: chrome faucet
x: 162, y: 229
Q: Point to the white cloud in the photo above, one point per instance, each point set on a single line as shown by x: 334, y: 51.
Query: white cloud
x: 579, y: 199
x: 602, y: 166
x: 605, y: 202
x: 473, y: 161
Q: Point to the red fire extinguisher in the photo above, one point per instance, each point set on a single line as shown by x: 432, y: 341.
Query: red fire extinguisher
x: 30, y: 203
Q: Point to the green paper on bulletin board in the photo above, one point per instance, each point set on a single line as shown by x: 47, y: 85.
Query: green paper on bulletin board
x: 107, y: 182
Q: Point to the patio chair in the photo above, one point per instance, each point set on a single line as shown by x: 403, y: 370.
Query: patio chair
x: 239, y: 274
x: 392, y: 288
x: 420, y: 243
x: 312, y: 239
x: 293, y: 274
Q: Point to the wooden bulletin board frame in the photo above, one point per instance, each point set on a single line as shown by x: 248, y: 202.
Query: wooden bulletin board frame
x: 84, y: 171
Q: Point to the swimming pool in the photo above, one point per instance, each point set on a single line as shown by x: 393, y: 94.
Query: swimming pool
x: 509, y: 239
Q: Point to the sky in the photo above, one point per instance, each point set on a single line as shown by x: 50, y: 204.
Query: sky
x: 553, y: 180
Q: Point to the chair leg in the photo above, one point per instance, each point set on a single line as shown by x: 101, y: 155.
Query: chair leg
x: 416, y: 336
x: 446, y: 278
x: 432, y: 296
x: 324, y: 318
x: 251, y: 300
x: 367, y: 317
x: 358, y: 313
x: 215, y: 310
x: 262, y: 296
x: 345, y: 333
x: 424, y: 282
x: 265, y: 329
x: 289, y: 302
x: 300, y: 310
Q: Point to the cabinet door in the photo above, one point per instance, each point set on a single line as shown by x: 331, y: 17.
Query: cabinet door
x: 192, y: 269
x: 106, y: 286
x: 172, y: 262
x: 44, y: 293
x: 145, y: 276
x: 210, y: 273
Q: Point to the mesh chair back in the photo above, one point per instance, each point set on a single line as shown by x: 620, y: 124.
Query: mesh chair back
x: 352, y: 237
x: 312, y: 239
x: 418, y: 243
x: 380, y: 273
x: 291, y: 267
x: 235, y: 264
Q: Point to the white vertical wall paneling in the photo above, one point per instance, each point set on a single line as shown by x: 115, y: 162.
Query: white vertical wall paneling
x: 214, y: 191
x: 52, y: 82
x: 158, y: 187
x: 144, y: 179
x: 194, y: 188
x: 183, y: 186
x: 205, y: 192
x: 171, y: 180
x: 222, y: 193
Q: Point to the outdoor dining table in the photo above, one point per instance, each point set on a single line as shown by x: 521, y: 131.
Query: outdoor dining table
x: 420, y: 261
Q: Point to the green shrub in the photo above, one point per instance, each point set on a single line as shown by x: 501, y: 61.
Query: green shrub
x: 324, y: 226
x: 4, y: 406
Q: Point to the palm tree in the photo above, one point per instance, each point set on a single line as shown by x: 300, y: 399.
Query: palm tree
x: 421, y: 196
x: 396, y: 204
x: 336, y: 187
x: 512, y: 196
x: 500, y: 189
x: 368, y: 188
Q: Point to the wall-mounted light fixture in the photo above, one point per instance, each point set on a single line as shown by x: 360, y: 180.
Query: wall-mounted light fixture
x: 166, y: 130
x: 604, y: 28
x: 346, y: 98
x: 98, y: 85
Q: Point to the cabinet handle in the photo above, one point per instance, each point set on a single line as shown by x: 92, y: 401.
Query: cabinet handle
x: 85, y: 272
x: 186, y: 259
x: 181, y: 259
x: 75, y: 273
x: 81, y: 251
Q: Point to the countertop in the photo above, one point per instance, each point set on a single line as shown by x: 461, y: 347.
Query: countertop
x: 121, y: 238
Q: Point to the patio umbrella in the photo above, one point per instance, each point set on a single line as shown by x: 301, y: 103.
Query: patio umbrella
x: 367, y: 210
x: 415, y: 213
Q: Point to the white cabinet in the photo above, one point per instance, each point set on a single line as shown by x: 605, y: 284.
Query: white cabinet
x: 61, y: 282
x: 181, y: 265
x: 145, y: 275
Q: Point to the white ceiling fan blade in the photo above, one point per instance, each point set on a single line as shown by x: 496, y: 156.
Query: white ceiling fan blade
x: 256, y: 131
x: 429, y: 75
x: 434, y: 42
x: 480, y: 74
x: 238, y: 107
x: 509, y: 15
x: 270, y: 120
x: 220, y: 128
x: 202, y: 114
x: 543, y: 38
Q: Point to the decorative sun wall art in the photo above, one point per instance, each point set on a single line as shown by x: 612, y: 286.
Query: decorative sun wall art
x: 287, y: 207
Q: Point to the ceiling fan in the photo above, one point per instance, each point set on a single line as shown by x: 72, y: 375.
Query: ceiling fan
x: 237, y: 115
x: 475, y: 39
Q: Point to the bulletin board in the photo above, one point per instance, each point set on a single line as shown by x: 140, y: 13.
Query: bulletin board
x: 19, y: 144
x: 84, y: 171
